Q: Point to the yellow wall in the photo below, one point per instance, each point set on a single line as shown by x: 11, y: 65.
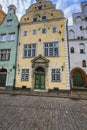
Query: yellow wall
x: 58, y: 21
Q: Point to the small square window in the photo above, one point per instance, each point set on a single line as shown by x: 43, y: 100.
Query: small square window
x: 43, y: 18
x: 34, y: 32
x: 54, y: 30
x: 9, y: 22
x: 44, y: 30
x: 40, y: 7
x: 25, y: 33
x: 34, y: 19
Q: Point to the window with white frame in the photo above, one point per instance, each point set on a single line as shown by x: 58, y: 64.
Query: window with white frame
x: 25, y: 33
x: 54, y: 29
x: 43, y: 30
x: 51, y: 49
x: 3, y: 37
x: 29, y: 50
x: 82, y: 48
x: 11, y: 37
x: 24, y: 74
x: 56, y: 75
x: 5, y: 54
x: 34, y: 32
x: 9, y: 22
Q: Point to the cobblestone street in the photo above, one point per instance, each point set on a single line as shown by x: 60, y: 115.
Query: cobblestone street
x: 42, y: 113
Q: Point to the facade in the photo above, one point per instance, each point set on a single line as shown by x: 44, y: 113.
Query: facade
x: 42, y: 62
x: 2, y: 14
x: 8, y: 47
x: 77, y: 34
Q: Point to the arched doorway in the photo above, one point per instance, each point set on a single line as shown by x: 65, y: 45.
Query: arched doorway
x: 3, y: 75
x: 77, y: 79
x: 40, y: 78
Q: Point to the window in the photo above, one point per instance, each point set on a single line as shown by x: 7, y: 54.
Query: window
x: 25, y: 75
x: 80, y: 27
x: 83, y: 63
x: 51, y: 49
x: 43, y: 18
x: 29, y: 50
x: 34, y: 31
x: 82, y: 48
x: 54, y: 30
x: 25, y: 33
x: 35, y: 19
x: 56, y: 75
x: 44, y: 30
x: 9, y: 22
x: 72, y: 49
x: 11, y: 37
x: 40, y: 7
x: 5, y: 54
x: 2, y: 37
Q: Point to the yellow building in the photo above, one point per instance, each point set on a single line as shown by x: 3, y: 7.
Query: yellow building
x: 42, y: 62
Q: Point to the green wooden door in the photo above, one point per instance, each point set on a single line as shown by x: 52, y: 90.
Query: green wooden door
x: 77, y: 79
x: 40, y: 80
x: 3, y: 79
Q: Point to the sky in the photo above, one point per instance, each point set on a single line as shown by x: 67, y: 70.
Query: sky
x: 67, y: 6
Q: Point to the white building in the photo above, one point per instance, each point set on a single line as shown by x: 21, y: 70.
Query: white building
x: 77, y: 34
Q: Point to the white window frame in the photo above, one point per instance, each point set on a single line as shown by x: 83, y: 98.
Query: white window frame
x: 11, y: 36
x: 3, y: 37
x: 51, y: 48
x: 29, y: 49
x: 25, y: 74
x: 54, y: 28
x: 57, y: 80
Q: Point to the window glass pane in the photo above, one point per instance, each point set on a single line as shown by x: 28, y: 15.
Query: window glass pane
x: 51, y: 49
x: 55, y: 75
x: 5, y: 55
x: 34, y: 19
x: 29, y: 50
x: 43, y: 17
x: 25, y: 75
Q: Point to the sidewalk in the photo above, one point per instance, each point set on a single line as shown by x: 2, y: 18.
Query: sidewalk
x: 74, y: 95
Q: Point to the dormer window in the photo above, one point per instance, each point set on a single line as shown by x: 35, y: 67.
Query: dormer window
x: 9, y: 22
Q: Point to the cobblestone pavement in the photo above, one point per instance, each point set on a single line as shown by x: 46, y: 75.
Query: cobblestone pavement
x: 42, y: 113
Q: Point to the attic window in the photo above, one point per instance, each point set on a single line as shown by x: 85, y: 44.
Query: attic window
x: 40, y: 7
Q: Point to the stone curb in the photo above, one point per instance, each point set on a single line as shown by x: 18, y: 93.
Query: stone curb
x: 72, y: 96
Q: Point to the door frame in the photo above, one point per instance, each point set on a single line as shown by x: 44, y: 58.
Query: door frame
x: 39, y: 76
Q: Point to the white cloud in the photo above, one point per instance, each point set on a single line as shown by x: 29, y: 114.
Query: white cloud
x: 67, y: 6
